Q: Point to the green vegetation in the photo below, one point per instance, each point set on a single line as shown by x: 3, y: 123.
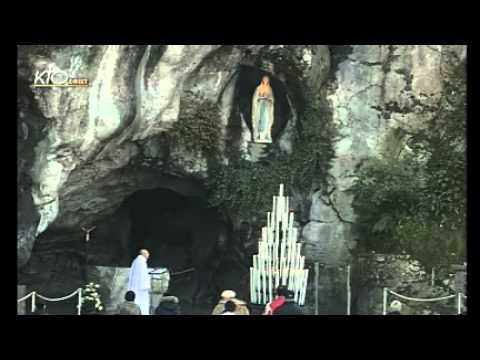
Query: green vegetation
x: 415, y: 201
x: 245, y: 189
x: 199, y: 130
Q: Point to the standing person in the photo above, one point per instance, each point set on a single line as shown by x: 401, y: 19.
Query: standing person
x: 230, y: 295
x: 230, y: 308
x: 279, y: 299
x: 289, y: 307
x: 128, y: 307
x: 139, y: 281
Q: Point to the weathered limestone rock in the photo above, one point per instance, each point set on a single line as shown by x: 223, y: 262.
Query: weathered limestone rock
x: 326, y: 242
x: 21, y: 292
x: 321, y: 211
x: 136, y: 94
x: 84, y: 150
x: 376, y: 91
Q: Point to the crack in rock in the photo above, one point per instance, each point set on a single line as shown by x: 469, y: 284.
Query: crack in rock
x: 337, y: 212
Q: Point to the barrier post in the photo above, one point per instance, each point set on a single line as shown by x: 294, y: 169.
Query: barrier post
x: 433, y: 277
x: 459, y: 303
x: 79, y: 301
x: 317, y: 270
x: 33, y: 302
x: 385, y: 294
x: 349, y: 291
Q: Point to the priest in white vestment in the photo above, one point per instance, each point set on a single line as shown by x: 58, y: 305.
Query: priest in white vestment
x: 139, y: 281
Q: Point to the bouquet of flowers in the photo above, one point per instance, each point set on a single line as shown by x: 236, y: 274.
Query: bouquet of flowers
x: 91, y: 301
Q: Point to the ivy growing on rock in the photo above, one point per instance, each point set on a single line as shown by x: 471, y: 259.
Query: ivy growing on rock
x: 416, y: 201
x: 244, y: 189
x: 198, y: 129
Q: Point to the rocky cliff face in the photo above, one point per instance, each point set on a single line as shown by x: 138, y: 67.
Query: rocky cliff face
x: 376, y: 94
x: 82, y: 151
x: 136, y: 94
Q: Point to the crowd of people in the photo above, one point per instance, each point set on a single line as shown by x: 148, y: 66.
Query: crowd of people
x: 282, y: 304
x: 137, y: 298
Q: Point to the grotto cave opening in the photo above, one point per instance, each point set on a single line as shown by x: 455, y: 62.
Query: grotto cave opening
x: 249, y: 78
x: 184, y: 234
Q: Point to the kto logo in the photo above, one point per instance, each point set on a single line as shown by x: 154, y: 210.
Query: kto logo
x: 55, y: 77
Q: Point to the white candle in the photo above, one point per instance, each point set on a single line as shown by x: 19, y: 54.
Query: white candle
x: 277, y: 232
x: 269, y: 283
x: 257, y: 286
x: 297, y: 287
x: 291, y: 253
x: 294, y: 260
x: 274, y: 211
x: 300, y: 287
x: 264, y: 281
x: 252, y: 299
x: 258, y: 292
x: 301, y: 290
x: 259, y: 276
x: 281, y: 190
x: 292, y: 280
x: 299, y: 282
x: 285, y: 215
x: 274, y: 257
x: 277, y: 254
x: 281, y: 205
x: 305, y: 283
x: 266, y: 277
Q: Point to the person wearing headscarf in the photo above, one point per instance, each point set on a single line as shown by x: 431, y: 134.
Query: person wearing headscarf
x: 395, y: 308
x: 230, y: 295
x: 289, y: 306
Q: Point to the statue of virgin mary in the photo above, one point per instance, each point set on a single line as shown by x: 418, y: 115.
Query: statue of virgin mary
x: 262, y: 112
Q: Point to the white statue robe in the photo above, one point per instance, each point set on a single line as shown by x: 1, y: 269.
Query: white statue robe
x: 262, y: 116
x: 139, y: 282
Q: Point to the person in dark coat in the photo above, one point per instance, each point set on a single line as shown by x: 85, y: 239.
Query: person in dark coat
x: 168, y: 306
x: 128, y: 307
x: 289, y: 307
x: 280, y: 296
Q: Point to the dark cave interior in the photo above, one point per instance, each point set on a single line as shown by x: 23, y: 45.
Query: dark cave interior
x: 181, y: 232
